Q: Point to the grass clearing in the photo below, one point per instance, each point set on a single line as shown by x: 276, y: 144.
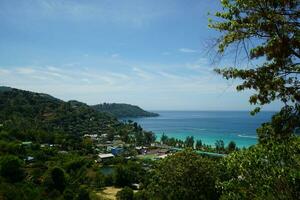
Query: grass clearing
x: 109, y: 193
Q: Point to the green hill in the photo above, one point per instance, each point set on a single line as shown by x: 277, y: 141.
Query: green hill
x: 26, y: 110
x: 40, y: 117
x: 121, y: 110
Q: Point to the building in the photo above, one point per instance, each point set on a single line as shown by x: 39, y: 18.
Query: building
x: 117, y: 150
x: 105, y: 156
x: 27, y: 143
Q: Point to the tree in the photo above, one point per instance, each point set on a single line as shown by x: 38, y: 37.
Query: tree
x: 83, y: 194
x: 11, y: 168
x: 184, y: 175
x: 164, y: 138
x: 58, y: 179
x: 271, y: 27
x: 198, y: 144
x: 123, y: 176
x: 149, y: 137
x: 265, y: 171
x: 125, y: 194
x: 231, y: 146
x: 189, y: 141
x: 220, y: 145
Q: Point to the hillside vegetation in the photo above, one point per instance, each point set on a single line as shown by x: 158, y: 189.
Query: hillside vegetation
x: 35, y: 116
x: 121, y: 110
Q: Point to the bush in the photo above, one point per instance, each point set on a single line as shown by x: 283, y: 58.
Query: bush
x: 11, y: 168
x: 125, y: 194
x: 58, y: 178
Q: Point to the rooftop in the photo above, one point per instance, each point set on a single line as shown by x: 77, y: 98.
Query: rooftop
x: 106, y: 155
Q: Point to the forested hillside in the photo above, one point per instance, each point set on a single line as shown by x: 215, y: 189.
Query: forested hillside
x: 36, y: 116
x: 120, y: 110
x: 28, y: 110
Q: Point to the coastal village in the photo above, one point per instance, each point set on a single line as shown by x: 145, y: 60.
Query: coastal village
x: 106, y: 150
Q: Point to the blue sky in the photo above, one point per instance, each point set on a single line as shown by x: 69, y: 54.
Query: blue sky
x: 149, y: 53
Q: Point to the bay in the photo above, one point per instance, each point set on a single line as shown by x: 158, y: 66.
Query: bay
x: 209, y: 126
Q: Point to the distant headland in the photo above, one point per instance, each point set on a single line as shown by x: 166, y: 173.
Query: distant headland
x: 122, y: 110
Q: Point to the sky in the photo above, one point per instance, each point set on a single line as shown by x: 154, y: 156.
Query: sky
x: 155, y: 54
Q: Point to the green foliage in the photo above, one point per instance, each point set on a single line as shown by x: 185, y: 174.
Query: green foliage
x: 274, y: 26
x: 189, y: 142
x: 184, y: 175
x: 19, y: 191
x: 198, y: 144
x: 125, y: 194
x: 31, y: 116
x: 140, y: 195
x: 231, y: 146
x: 220, y: 146
x: 269, y: 171
x: 281, y: 126
x: 121, y: 110
x: 172, y: 141
x: 128, y: 173
x: 83, y: 194
x: 58, y: 179
x: 69, y: 194
x: 11, y: 168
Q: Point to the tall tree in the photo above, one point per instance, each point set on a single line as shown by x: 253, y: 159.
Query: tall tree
x: 220, y: 145
x: 189, y: 141
x: 271, y: 27
x: 198, y: 144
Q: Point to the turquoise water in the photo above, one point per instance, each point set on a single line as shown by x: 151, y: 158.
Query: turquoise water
x: 209, y: 126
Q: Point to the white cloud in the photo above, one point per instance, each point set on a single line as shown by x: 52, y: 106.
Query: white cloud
x: 143, y: 84
x: 187, y: 50
x: 115, y: 55
x: 51, y: 68
x: 25, y: 70
x: 4, y: 72
x: 166, y: 53
x: 142, y: 74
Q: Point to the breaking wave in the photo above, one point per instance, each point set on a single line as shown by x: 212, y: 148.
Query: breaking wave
x: 247, y: 136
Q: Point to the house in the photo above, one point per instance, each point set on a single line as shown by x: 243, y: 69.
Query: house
x: 136, y: 186
x: 29, y: 159
x: 92, y: 136
x: 163, y: 156
x: 117, y: 150
x: 27, y: 144
x: 141, y: 150
x: 105, y: 156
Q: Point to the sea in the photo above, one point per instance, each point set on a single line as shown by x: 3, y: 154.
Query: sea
x: 208, y: 126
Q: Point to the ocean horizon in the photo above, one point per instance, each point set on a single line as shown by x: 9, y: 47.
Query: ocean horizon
x: 208, y: 126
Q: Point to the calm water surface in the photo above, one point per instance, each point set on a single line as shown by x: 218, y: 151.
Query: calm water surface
x: 209, y: 126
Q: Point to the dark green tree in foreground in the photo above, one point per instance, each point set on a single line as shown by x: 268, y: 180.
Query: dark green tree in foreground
x: 11, y: 168
x: 58, y: 178
x: 183, y: 176
x: 125, y: 194
x: 271, y: 28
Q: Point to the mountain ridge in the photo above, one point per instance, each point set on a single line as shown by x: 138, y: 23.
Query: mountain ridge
x: 123, y: 110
